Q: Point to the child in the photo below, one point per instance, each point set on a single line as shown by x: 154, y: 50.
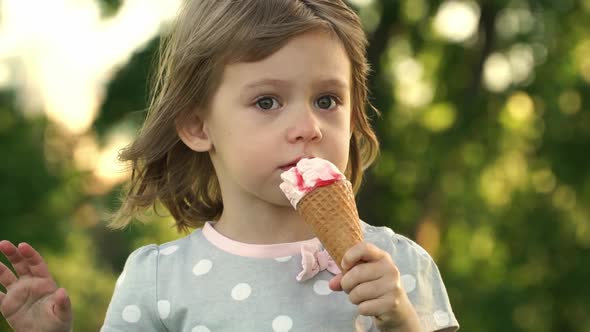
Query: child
x: 244, y: 90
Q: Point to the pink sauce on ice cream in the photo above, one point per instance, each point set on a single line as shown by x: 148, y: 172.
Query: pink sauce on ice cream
x: 307, y: 175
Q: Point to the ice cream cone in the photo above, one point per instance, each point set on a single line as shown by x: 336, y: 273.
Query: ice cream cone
x: 332, y: 214
x: 319, y: 191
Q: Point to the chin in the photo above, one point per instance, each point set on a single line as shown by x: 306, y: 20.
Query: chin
x: 280, y: 200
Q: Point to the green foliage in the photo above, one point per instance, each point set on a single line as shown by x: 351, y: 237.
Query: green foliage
x: 32, y: 193
x: 493, y: 183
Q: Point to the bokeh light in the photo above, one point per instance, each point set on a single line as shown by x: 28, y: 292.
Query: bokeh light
x: 457, y: 21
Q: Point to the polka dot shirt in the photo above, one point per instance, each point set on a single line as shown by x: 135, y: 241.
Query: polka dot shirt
x: 206, y: 282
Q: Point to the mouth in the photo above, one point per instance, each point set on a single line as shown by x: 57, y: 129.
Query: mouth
x: 287, y: 167
x: 292, y: 163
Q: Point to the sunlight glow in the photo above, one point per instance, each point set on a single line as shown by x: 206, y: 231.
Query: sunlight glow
x: 108, y: 171
x: 361, y: 3
x: 62, y: 54
x: 457, y: 21
x: 511, y: 21
x: 515, y: 67
x: 522, y: 62
x: 520, y: 107
x: 583, y: 60
x: 412, y: 89
x: 497, y: 74
x: 4, y: 76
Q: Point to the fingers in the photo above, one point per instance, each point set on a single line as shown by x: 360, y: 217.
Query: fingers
x: 334, y: 283
x: 37, y: 265
x: 376, y: 307
x: 7, y: 278
x: 359, y: 274
x: 358, y: 255
x: 391, y: 313
x: 62, y: 306
x: 369, y: 291
x: 18, y: 262
x: 362, y: 252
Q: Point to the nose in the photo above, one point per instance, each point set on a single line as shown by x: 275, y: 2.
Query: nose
x: 305, y: 127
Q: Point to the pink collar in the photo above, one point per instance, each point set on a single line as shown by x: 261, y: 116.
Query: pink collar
x: 313, y: 258
x: 255, y: 250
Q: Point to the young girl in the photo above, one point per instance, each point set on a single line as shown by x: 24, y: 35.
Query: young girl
x: 244, y: 90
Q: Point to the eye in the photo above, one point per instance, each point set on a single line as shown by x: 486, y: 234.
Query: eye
x: 266, y: 103
x: 325, y: 102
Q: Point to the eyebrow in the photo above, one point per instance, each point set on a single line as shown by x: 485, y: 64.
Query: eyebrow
x: 276, y: 82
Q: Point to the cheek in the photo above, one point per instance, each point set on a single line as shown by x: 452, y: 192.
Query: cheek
x: 343, y: 159
x: 251, y: 150
x: 339, y: 149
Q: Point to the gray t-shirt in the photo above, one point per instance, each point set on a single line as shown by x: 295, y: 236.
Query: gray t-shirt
x: 205, y: 282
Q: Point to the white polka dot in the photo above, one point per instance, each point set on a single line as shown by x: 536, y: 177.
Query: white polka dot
x: 282, y: 324
x: 121, y: 279
x: 168, y: 250
x: 202, y: 267
x: 241, y: 292
x: 408, y: 283
x: 200, y: 328
x: 442, y: 318
x: 164, y: 309
x: 283, y: 259
x: 131, y: 314
x: 322, y: 287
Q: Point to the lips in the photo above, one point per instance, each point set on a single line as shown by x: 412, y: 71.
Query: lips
x: 292, y: 163
x: 289, y: 165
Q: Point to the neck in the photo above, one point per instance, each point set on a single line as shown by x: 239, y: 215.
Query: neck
x: 263, y: 223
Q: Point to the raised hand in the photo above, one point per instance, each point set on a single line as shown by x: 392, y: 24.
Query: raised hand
x: 32, y: 302
x: 372, y: 281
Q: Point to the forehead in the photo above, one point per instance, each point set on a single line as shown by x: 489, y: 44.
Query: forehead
x: 315, y: 57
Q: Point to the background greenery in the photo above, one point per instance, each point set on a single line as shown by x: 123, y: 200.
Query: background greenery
x: 494, y: 183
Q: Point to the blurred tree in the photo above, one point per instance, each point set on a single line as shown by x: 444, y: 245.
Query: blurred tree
x: 489, y: 171
x: 32, y: 192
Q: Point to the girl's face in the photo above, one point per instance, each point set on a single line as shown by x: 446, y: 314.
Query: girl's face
x: 268, y: 114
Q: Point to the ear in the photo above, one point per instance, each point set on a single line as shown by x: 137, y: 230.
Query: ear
x: 193, y: 132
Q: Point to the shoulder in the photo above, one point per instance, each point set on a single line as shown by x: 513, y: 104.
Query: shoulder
x: 142, y: 257
x: 147, y: 257
x: 399, y: 246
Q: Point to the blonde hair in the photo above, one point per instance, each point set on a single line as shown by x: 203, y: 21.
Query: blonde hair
x: 208, y: 35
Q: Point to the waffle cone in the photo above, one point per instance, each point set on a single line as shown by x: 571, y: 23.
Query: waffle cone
x: 331, y: 212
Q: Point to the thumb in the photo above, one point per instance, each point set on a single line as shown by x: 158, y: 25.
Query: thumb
x: 334, y: 283
x: 61, y: 305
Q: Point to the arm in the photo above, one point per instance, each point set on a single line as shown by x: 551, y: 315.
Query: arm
x: 134, y: 305
x: 32, y: 301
